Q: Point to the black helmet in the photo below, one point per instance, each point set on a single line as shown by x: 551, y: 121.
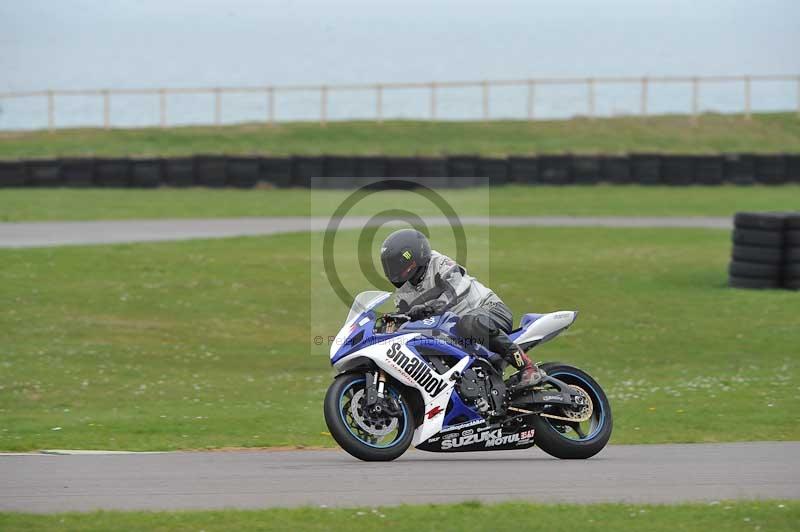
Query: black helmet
x: 405, y: 255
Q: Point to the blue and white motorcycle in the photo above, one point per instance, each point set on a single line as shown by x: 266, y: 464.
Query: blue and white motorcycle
x: 403, y: 382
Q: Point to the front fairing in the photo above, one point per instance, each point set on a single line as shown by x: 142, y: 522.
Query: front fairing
x: 359, y: 325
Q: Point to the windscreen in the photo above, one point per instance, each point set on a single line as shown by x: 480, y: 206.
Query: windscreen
x: 366, y: 301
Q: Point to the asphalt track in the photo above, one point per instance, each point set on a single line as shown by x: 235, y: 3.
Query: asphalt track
x: 260, y: 479
x: 39, y: 234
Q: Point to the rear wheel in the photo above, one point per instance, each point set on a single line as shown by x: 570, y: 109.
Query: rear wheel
x: 574, y: 433
x: 362, y: 432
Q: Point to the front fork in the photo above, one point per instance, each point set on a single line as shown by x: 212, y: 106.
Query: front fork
x: 377, y: 400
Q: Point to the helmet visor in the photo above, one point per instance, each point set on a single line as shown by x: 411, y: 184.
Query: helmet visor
x: 398, y: 268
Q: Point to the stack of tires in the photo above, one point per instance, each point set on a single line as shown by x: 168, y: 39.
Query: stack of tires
x: 766, y: 251
x: 790, y: 276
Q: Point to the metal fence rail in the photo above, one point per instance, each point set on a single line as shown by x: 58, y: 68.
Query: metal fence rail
x: 271, y: 92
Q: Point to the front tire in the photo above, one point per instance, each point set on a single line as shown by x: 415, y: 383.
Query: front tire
x: 360, y: 433
x: 571, y: 440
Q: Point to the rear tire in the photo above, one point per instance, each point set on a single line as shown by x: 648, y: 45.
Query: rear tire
x: 554, y: 442
x: 335, y: 418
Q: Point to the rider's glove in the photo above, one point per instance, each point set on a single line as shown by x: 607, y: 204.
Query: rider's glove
x: 429, y: 308
x: 419, y: 312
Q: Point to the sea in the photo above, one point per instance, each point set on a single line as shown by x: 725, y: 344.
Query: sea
x: 150, y: 44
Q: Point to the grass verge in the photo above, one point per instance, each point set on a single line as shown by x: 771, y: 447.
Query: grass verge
x: 107, y: 204
x: 723, y: 516
x: 204, y: 344
x: 714, y: 133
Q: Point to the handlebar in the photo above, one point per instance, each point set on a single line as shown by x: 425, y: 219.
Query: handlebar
x: 391, y: 321
x: 396, y: 316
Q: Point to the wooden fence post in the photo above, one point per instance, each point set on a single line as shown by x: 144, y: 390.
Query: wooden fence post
x: 162, y: 107
x: 590, y: 97
x: 643, y: 98
x: 271, y: 106
x: 531, y: 98
x: 695, y: 99
x: 747, y: 114
x: 485, y: 100
x: 323, y: 105
x: 798, y: 96
x: 433, y: 102
x: 217, y: 106
x: 51, y: 111
x: 379, y: 103
x: 106, y: 109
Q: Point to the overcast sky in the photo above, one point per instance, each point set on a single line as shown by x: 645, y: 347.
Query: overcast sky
x: 127, y: 43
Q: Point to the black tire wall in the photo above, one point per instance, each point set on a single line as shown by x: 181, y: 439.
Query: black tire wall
x: 344, y: 171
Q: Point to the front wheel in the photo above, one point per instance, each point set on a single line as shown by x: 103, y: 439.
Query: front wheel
x: 566, y: 432
x: 363, y: 433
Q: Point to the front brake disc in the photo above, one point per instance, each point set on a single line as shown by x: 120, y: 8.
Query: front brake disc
x: 365, y: 423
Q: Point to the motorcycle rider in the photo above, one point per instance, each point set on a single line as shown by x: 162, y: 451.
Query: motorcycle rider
x: 429, y: 283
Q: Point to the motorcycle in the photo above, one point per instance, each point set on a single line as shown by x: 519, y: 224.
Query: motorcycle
x: 401, y: 382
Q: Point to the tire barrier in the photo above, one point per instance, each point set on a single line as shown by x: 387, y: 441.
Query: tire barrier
x: 766, y: 251
x: 433, y: 172
x: 304, y: 169
x: 493, y: 169
x: 616, y: 169
x: 13, y: 174
x: 337, y: 171
x: 646, y: 169
x: 277, y: 171
x: 146, y: 173
x: 740, y: 169
x: 677, y: 171
x: 112, y: 173
x: 790, y: 276
x: 586, y: 170
x: 463, y: 169
x: 708, y: 170
x: 179, y: 172
x: 770, y: 169
x: 77, y: 172
x: 210, y: 171
x: 243, y: 172
x: 793, y: 168
x: 370, y: 167
x: 44, y: 173
x: 523, y: 170
x: 555, y: 170
x: 401, y: 167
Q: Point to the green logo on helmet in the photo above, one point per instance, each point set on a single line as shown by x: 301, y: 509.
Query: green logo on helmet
x: 407, y: 255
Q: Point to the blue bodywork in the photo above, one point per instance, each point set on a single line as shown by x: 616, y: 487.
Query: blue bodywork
x: 437, y: 334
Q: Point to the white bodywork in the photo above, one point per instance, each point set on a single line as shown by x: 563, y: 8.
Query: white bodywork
x: 547, y: 327
x: 394, y: 357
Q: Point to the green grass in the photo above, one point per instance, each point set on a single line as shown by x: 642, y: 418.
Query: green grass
x: 772, y: 132
x: 106, y: 204
x: 210, y: 343
x: 723, y: 516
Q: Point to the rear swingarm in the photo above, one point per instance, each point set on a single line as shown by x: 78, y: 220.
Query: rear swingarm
x: 534, y: 399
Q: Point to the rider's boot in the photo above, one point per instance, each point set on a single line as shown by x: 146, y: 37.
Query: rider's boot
x: 529, y: 374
